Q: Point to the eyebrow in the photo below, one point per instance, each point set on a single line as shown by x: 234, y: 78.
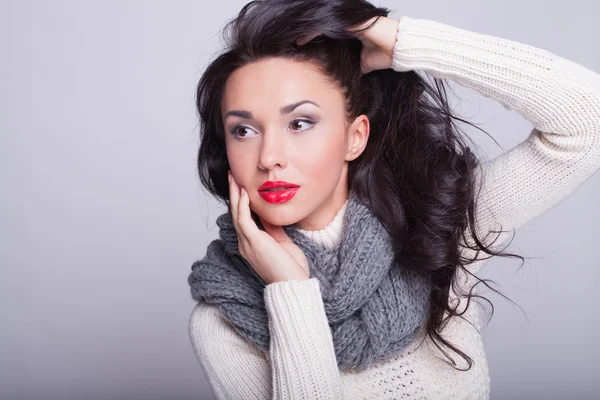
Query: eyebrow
x: 283, y: 110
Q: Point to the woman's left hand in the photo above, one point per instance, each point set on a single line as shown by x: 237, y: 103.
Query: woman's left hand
x: 378, y: 43
x: 271, y: 253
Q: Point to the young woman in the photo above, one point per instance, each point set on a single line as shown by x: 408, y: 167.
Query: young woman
x: 357, y: 215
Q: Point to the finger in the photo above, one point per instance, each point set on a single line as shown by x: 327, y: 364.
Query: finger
x: 245, y: 221
x: 234, y: 198
x: 357, y: 31
x: 307, y: 38
x: 364, y: 57
x: 363, y: 69
x: 276, y: 232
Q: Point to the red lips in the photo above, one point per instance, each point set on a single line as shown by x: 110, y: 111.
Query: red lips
x: 276, y: 184
x: 285, y: 193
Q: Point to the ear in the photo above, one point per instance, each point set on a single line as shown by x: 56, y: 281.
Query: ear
x: 358, y: 135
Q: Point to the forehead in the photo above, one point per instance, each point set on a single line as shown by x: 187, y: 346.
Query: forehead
x: 277, y: 81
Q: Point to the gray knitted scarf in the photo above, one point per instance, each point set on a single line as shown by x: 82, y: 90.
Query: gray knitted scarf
x: 374, y: 307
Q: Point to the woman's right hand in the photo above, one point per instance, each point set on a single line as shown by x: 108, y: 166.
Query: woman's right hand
x: 378, y: 43
x: 272, y: 254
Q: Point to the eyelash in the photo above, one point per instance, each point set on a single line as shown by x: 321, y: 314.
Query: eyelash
x: 310, y: 121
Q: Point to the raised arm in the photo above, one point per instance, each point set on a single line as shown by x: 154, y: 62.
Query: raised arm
x: 559, y: 97
x: 301, y: 360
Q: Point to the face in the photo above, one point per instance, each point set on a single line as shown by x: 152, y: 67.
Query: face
x: 284, y: 121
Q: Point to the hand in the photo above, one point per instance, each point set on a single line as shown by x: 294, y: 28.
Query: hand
x: 378, y: 43
x: 272, y: 254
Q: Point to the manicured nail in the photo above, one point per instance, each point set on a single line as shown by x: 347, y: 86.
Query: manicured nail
x: 243, y: 191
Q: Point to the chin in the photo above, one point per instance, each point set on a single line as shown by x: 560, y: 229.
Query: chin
x: 279, y: 215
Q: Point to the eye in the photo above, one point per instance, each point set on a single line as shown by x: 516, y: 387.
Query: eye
x: 238, y: 130
x: 235, y: 131
x: 306, y: 121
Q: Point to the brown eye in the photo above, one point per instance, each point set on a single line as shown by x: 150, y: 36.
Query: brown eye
x: 299, y: 122
x: 241, y: 129
x: 236, y: 131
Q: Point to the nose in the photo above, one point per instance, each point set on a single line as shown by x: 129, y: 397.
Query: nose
x: 272, y: 151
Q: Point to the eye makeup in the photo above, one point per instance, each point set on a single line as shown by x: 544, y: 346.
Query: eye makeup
x: 312, y: 122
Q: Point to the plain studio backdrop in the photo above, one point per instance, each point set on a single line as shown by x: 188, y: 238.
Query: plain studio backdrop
x: 102, y: 213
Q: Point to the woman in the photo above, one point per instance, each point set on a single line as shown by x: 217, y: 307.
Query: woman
x: 358, y: 217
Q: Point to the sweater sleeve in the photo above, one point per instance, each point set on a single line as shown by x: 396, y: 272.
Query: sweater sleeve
x: 559, y: 97
x: 300, y: 364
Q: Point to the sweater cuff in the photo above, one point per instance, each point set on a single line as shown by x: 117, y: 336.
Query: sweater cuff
x: 301, y: 348
x: 294, y: 303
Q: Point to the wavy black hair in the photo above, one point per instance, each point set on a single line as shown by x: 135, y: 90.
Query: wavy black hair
x: 416, y: 172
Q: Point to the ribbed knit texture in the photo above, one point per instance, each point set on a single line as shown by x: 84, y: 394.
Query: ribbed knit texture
x: 374, y: 306
x: 330, y: 236
x: 562, y: 101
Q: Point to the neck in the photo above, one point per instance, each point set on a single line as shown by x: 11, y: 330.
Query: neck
x: 326, y: 211
x: 329, y: 236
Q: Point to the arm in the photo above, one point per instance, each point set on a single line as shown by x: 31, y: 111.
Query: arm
x: 301, y: 360
x: 559, y: 97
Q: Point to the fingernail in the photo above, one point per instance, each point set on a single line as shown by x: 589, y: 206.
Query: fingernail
x: 243, y: 191
x: 229, y: 177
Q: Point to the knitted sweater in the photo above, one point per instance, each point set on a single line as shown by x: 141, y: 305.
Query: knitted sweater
x: 562, y: 101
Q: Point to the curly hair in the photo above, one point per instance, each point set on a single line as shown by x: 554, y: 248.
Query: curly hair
x: 416, y: 172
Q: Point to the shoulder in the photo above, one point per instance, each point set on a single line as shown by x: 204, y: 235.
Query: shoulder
x: 234, y: 367
x: 204, y: 321
x: 212, y: 336
x: 203, y: 312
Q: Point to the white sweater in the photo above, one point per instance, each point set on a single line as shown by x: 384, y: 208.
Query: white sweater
x: 562, y: 101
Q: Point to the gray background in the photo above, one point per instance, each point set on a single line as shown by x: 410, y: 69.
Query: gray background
x: 102, y: 214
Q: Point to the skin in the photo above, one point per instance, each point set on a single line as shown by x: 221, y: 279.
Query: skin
x: 310, y: 146
x: 286, y: 147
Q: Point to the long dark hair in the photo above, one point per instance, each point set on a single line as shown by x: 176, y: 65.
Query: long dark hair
x: 416, y: 172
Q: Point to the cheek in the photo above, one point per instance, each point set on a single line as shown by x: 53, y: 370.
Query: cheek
x: 323, y: 157
x: 240, y: 161
x: 232, y: 156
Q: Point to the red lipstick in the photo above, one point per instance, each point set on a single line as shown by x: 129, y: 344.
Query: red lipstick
x: 278, y: 191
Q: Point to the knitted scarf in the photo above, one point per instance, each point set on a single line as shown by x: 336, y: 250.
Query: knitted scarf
x: 374, y: 307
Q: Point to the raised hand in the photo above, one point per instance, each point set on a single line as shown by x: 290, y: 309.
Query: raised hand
x: 378, y: 43
x: 271, y: 253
